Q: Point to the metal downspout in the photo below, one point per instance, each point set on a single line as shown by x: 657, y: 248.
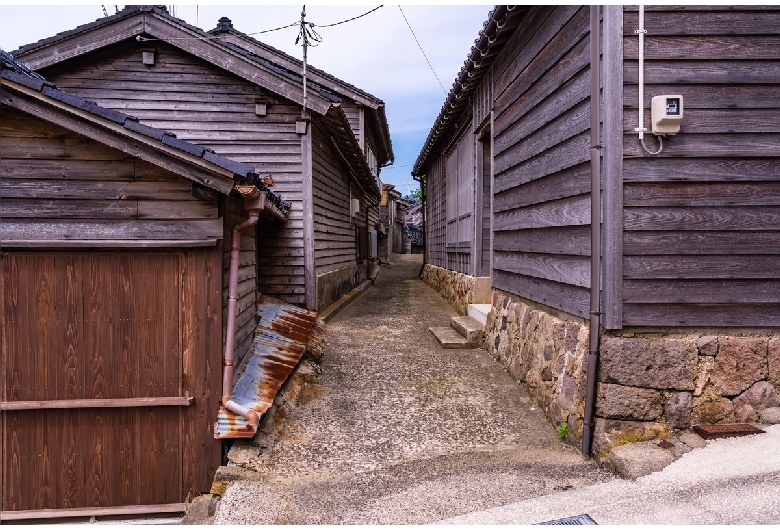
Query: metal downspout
x: 254, y: 202
x: 595, y: 233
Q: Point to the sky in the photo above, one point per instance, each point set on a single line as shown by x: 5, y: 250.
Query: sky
x: 377, y: 52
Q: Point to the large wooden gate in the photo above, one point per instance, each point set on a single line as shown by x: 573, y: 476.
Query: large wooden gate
x: 107, y: 366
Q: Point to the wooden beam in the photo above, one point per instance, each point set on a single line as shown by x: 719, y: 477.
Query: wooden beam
x: 81, y: 43
x: 612, y: 140
x: 184, y: 401
x: 90, y: 512
x: 310, y: 271
x: 108, y: 243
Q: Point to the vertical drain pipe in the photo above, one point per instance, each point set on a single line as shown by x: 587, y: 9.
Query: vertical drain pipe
x: 595, y: 232
x: 254, y: 202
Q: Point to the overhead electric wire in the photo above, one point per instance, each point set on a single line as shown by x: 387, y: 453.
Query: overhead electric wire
x: 312, y: 37
x: 345, y: 21
x: 423, y: 51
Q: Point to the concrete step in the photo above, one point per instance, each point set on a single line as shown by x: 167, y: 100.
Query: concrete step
x: 448, y: 338
x: 469, y: 328
x: 479, y: 312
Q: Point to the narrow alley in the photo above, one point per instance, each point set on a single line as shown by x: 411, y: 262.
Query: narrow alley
x: 396, y: 430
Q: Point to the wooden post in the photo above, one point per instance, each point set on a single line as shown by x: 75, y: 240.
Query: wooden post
x: 309, y: 271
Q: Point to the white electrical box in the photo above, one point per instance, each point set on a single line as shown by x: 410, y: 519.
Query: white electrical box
x: 666, y: 114
x: 354, y: 207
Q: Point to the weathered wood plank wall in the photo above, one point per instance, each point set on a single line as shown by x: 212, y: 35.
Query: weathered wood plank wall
x: 215, y: 109
x: 541, y: 194
x: 702, y: 219
x: 354, y: 115
x: 436, y: 217
x: 334, y: 235
x: 338, y: 266
x: 57, y: 185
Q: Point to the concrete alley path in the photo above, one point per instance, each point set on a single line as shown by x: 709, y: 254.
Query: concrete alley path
x: 396, y: 430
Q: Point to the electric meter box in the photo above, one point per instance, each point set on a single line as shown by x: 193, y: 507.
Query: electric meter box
x: 666, y: 114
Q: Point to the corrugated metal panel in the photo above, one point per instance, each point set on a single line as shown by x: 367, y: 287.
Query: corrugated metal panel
x: 280, y: 342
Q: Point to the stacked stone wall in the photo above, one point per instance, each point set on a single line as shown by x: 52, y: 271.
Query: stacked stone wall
x: 650, y: 384
x: 547, y: 353
x: 458, y: 289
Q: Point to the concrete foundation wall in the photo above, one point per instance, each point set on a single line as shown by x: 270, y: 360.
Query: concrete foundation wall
x: 650, y: 384
x: 334, y: 284
x: 458, y: 289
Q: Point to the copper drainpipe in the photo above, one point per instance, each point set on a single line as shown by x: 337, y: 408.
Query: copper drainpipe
x: 595, y: 233
x: 254, y: 203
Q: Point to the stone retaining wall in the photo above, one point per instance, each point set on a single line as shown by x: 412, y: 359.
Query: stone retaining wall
x: 547, y: 353
x: 458, y: 289
x: 650, y: 385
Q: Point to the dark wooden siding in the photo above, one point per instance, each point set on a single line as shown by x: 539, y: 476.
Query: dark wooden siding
x: 215, y: 109
x: 702, y: 219
x: 334, y: 234
x: 541, y: 198
x: 62, y: 188
x: 355, y: 119
x: 436, y: 216
x: 460, y: 175
x: 246, y: 302
x: 84, y: 325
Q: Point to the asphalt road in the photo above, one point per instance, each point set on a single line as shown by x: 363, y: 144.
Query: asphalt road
x: 731, y: 481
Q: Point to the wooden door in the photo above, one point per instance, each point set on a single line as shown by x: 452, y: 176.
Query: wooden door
x: 100, y: 355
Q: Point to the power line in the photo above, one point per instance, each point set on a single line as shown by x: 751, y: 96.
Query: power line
x: 423, y: 51
x: 348, y: 20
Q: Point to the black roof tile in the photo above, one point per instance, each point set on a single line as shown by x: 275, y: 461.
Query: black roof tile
x: 59, y: 95
x: 151, y: 132
x: 187, y: 147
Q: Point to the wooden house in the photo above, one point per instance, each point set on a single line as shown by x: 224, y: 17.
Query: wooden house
x: 231, y: 93
x: 612, y: 243
x: 111, y: 304
x: 392, y: 215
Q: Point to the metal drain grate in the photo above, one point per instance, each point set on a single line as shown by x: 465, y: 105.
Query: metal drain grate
x: 577, y: 519
x: 708, y: 432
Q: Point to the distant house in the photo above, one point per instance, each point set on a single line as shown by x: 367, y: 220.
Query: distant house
x: 231, y: 93
x: 392, y: 215
x: 676, y: 278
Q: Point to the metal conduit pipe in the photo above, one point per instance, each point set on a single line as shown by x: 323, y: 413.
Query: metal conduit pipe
x: 254, y: 203
x: 595, y: 234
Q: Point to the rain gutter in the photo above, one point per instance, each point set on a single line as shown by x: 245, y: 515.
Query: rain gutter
x: 595, y: 233
x: 254, y: 203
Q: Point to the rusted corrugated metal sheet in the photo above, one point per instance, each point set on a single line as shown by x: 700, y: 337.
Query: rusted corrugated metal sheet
x: 280, y: 342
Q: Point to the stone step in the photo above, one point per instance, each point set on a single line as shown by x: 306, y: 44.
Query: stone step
x: 479, y: 312
x: 469, y: 328
x: 448, y: 338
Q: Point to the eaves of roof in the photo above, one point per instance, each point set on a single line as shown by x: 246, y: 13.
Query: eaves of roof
x: 501, y: 23
x: 14, y: 72
x: 337, y: 126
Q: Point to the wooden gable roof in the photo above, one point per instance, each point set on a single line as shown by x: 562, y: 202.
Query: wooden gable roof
x: 26, y: 90
x: 262, y: 65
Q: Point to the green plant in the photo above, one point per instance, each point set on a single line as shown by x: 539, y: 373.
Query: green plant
x: 563, y: 431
